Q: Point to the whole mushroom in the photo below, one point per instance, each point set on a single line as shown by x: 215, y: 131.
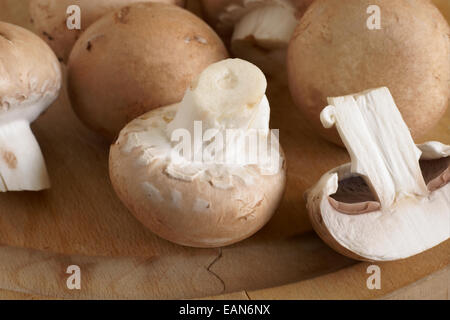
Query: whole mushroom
x: 136, y: 59
x: 393, y: 200
x: 260, y: 30
x: 30, y: 79
x: 334, y: 52
x: 49, y: 18
x: 213, y: 190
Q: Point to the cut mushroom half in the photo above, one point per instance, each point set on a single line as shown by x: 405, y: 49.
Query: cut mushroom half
x: 260, y: 29
x: 30, y: 79
x: 393, y: 200
x: 215, y: 193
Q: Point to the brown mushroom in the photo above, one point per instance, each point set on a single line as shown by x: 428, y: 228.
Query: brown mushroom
x: 222, y: 197
x: 49, y: 18
x: 136, y: 59
x: 30, y: 79
x: 334, y: 52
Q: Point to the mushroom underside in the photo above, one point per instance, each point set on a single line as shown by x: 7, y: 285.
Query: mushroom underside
x: 351, y: 221
x: 354, y: 195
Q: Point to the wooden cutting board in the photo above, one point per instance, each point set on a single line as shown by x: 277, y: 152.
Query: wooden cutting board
x: 81, y: 222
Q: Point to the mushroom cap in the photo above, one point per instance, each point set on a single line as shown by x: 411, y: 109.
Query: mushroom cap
x: 30, y: 74
x: 194, y: 213
x: 49, y: 19
x: 346, y: 215
x: 136, y: 59
x: 333, y: 52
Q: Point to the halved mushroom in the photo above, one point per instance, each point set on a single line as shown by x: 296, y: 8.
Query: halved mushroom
x: 261, y: 29
x: 49, y: 18
x: 393, y: 200
x: 217, y: 191
x: 30, y: 79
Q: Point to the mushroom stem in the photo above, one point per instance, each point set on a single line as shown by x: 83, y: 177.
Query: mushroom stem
x: 270, y: 26
x: 22, y: 165
x: 380, y: 144
x: 227, y: 95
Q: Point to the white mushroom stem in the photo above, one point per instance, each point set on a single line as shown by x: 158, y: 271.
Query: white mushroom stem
x: 22, y: 165
x: 380, y: 144
x: 228, y: 95
x: 270, y: 26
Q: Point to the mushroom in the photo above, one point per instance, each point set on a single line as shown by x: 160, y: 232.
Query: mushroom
x: 136, y: 59
x: 261, y: 29
x: 30, y: 79
x: 393, y: 200
x: 333, y: 52
x: 49, y: 18
x: 215, y: 193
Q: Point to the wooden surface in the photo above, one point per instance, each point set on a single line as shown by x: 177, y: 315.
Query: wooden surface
x: 80, y: 221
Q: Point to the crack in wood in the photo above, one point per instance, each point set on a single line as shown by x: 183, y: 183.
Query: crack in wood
x: 208, y: 268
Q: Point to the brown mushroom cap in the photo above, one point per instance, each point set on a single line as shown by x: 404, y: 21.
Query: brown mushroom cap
x: 333, y: 53
x: 49, y: 19
x: 30, y: 74
x: 136, y: 59
x: 192, y: 213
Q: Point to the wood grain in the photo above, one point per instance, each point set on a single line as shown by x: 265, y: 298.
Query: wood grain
x: 80, y: 221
